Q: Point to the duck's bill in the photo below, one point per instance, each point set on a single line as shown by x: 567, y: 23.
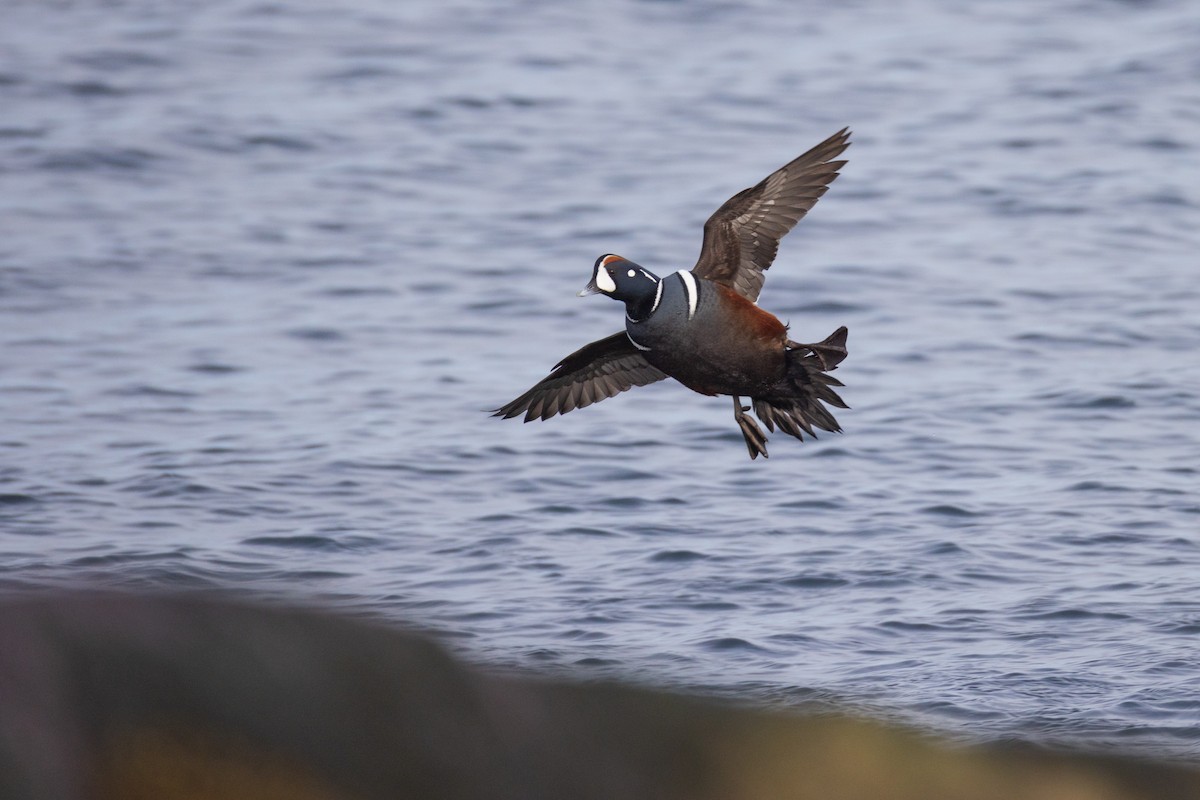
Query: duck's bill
x: 591, y: 288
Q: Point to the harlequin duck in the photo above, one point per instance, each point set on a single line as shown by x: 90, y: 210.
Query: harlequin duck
x: 703, y: 327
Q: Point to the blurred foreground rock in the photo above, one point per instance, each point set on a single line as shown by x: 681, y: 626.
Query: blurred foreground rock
x: 122, y: 698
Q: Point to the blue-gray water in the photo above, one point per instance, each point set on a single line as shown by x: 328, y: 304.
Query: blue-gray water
x: 263, y: 266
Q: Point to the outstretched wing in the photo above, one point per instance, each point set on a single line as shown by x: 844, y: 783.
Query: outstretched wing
x: 742, y: 236
x: 592, y: 373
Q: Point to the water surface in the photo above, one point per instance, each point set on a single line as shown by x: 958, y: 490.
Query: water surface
x: 263, y: 266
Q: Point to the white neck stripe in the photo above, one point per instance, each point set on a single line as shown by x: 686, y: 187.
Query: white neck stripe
x: 635, y: 344
x: 657, y: 297
x: 691, y: 290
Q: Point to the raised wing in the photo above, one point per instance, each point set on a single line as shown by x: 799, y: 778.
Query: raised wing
x: 592, y: 373
x: 742, y: 236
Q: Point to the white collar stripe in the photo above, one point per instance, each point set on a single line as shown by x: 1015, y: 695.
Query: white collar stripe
x: 635, y: 344
x: 657, y: 297
x: 691, y: 290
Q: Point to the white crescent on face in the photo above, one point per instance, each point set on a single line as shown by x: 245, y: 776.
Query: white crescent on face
x: 604, y: 281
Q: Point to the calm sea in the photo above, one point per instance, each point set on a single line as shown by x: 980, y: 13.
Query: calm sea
x: 263, y: 266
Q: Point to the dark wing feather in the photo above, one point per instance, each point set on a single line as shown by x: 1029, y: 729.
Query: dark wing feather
x: 592, y: 373
x: 742, y: 236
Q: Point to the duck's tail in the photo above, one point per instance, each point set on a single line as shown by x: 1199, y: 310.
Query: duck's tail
x: 797, y: 408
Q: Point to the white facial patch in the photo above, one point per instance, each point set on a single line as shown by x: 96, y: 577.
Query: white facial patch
x: 631, y: 273
x: 604, y: 281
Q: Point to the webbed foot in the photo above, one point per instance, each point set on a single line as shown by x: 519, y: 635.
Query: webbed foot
x: 756, y: 440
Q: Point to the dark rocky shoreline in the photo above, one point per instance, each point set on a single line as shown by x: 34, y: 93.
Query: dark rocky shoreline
x: 121, y: 696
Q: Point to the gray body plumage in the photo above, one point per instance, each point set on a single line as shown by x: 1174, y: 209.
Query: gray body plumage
x: 701, y: 346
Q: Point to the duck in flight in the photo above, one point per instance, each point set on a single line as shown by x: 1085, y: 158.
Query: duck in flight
x: 703, y: 326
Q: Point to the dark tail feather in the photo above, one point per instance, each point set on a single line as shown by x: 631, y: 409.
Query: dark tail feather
x: 831, y: 352
x: 797, y: 408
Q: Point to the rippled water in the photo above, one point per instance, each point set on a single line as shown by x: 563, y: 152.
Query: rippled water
x: 263, y: 266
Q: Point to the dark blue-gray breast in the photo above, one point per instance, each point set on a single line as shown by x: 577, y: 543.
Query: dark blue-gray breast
x: 667, y: 327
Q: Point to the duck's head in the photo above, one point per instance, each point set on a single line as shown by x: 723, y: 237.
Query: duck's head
x: 621, y: 279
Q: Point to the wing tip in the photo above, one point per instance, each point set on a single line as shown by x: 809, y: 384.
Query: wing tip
x: 505, y: 412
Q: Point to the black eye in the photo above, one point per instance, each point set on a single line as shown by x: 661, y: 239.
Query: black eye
x: 611, y: 272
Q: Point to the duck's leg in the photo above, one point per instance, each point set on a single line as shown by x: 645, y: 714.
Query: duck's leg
x: 756, y: 440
